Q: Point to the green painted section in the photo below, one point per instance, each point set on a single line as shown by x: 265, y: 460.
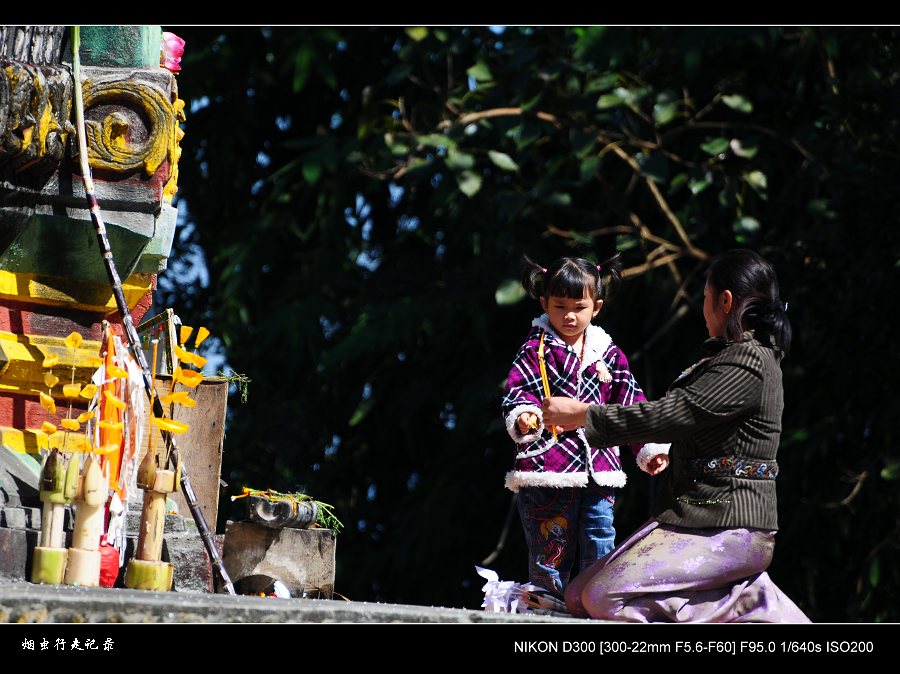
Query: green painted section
x: 120, y: 46
x: 25, y: 466
x: 60, y: 246
x: 157, y: 251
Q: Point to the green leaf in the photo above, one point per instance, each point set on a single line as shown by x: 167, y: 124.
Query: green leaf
x: 588, y: 168
x: 677, y: 182
x: 509, y: 292
x: 745, y: 228
x: 417, y: 33
x: 559, y: 199
x: 362, y: 410
x: 757, y: 180
x: 502, y: 160
x: 715, y: 146
x: 891, y: 471
x: 580, y: 237
x: 607, y: 101
x: 526, y: 134
x: 397, y: 148
x: 663, y: 113
x: 620, y: 96
x: 697, y: 185
x: 480, y: 72
x: 605, y: 82
x: 589, y: 39
x: 469, y: 183
x: 533, y: 101
x: 312, y: 171
x: 302, y: 63
x: 573, y: 86
x: 737, y: 102
x: 817, y: 206
x: 747, y: 150
x: 436, y: 140
x: 459, y: 161
x: 625, y: 242
x: 874, y: 572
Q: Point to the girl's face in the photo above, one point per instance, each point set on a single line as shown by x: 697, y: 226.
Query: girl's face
x: 570, y: 317
x: 716, y: 307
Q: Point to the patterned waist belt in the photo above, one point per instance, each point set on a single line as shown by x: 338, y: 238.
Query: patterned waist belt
x: 737, y: 466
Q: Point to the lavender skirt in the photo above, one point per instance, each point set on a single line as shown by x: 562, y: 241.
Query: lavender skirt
x: 664, y: 573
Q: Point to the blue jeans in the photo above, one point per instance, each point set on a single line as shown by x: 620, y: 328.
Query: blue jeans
x: 559, y: 520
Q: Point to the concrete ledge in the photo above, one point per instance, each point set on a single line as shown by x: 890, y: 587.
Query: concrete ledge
x: 27, y: 603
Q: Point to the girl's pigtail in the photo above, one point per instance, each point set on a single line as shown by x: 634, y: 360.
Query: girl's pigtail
x: 612, y: 268
x: 532, y: 277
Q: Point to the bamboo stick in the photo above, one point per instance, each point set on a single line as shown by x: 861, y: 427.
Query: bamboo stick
x: 89, y: 514
x: 153, y: 518
x: 83, y: 567
x: 48, y: 563
x: 45, y: 524
x: 144, y: 575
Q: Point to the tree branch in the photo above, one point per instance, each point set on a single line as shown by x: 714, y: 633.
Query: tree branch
x: 660, y: 200
x: 465, y: 120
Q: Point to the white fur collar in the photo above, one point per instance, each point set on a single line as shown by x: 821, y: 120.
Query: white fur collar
x: 598, y: 340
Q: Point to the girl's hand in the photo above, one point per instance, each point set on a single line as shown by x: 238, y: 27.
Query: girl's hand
x: 657, y: 464
x: 527, y: 421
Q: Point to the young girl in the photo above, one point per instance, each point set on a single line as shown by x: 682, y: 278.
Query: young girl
x: 566, y: 487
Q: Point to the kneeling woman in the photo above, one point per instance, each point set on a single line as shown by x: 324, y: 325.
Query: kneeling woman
x: 702, y: 558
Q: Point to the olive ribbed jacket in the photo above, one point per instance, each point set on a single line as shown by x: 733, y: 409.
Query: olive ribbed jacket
x: 723, y: 418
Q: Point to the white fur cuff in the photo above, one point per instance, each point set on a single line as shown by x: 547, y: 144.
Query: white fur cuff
x: 513, y: 428
x: 610, y: 478
x: 648, y: 451
x: 516, y: 479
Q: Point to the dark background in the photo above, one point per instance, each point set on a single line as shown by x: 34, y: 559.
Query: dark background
x: 357, y: 200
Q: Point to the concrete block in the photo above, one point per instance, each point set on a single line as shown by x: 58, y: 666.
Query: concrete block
x: 12, y: 518
x: 16, y: 547
x: 302, y: 559
x: 193, y: 571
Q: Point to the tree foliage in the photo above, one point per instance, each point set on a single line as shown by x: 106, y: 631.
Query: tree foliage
x: 362, y: 198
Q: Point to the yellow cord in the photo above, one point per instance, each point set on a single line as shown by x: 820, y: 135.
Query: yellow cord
x: 544, y: 379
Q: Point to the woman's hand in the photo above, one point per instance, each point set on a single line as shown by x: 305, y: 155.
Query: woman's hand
x: 565, y: 412
x: 657, y: 464
x: 527, y: 421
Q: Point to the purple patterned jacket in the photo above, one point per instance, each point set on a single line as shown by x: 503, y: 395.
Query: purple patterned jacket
x: 602, y: 377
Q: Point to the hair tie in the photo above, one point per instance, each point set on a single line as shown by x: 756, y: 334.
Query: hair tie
x: 777, y: 305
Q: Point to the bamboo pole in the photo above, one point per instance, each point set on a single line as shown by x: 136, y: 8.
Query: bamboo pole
x: 153, y: 519
x: 83, y: 566
x: 147, y: 571
x: 48, y: 564
x: 128, y: 322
